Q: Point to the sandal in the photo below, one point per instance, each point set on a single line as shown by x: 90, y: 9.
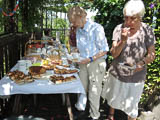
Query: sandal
x: 110, y: 117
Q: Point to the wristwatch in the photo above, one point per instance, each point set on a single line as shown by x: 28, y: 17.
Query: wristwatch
x: 91, y: 59
x: 144, y: 63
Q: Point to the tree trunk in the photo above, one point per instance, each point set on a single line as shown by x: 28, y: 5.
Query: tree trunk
x: 25, y: 15
x: 10, y: 24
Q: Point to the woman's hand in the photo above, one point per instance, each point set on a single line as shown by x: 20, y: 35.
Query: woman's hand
x: 139, y: 66
x: 69, y: 61
x: 124, y: 34
x: 84, y: 61
x: 117, y: 46
x: 148, y: 59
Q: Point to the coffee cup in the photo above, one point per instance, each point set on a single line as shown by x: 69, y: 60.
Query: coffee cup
x: 44, y: 50
x: 49, y: 52
x: 22, y: 65
x: 75, y: 55
x: 64, y: 61
x: 38, y: 50
x: 28, y: 63
x: 55, y: 52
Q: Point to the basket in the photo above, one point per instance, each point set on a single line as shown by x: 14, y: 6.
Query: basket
x: 33, y: 44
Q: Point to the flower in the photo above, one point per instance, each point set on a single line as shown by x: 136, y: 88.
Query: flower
x: 152, y: 5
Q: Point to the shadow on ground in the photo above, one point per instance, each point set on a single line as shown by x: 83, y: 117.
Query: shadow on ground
x: 50, y: 107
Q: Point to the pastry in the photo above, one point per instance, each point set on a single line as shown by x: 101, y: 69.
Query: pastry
x: 61, y: 79
x: 49, y: 67
x: 19, y: 77
x: 64, y: 71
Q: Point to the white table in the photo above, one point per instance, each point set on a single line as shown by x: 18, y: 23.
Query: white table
x: 8, y: 87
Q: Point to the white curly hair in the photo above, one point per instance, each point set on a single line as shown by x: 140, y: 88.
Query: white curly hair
x: 134, y: 7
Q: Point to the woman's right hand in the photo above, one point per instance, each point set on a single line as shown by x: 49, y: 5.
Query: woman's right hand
x: 125, y: 33
x: 69, y: 61
x: 84, y: 61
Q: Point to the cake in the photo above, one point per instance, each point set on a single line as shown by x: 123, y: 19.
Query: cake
x: 36, y: 70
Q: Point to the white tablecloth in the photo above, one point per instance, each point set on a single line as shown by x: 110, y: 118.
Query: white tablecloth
x: 8, y: 87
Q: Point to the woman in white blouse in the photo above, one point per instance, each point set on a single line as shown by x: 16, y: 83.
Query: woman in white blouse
x: 92, y: 46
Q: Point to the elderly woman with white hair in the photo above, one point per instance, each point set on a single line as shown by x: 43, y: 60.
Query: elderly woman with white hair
x: 132, y: 49
x: 92, y: 46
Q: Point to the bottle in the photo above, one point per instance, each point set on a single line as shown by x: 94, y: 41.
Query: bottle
x: 67, y: 42
x: 29, y: 46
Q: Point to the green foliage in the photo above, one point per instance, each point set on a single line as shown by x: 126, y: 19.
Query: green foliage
x: 29, y: 12
x: 60, y: 24
x: 109, y: 15
x: 152, y: 85
x: 2, y: 19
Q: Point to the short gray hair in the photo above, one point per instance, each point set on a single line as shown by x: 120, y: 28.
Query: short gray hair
x: 76, y: 11
x: 134, y: 7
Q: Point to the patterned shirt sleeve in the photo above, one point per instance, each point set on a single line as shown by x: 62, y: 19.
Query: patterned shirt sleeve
x: 150, y: 37
x: 116, y: 33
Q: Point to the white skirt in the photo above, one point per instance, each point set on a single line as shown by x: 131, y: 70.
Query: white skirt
x: 121, y: 95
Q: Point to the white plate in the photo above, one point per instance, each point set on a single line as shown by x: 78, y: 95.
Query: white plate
x: 33, y: 54
x: 67, y: 68
x: 74, y: 59
x: 65, y: 75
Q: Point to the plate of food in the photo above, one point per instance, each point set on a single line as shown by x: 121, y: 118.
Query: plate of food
x: 19, y: 77
x: 45, y: 76
x: 65, y: 70
x: 59, y: 79
x: 36, y: 71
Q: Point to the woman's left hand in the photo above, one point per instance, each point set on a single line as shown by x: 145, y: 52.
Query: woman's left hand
x: 139, y: 66
x: 84, y: 61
